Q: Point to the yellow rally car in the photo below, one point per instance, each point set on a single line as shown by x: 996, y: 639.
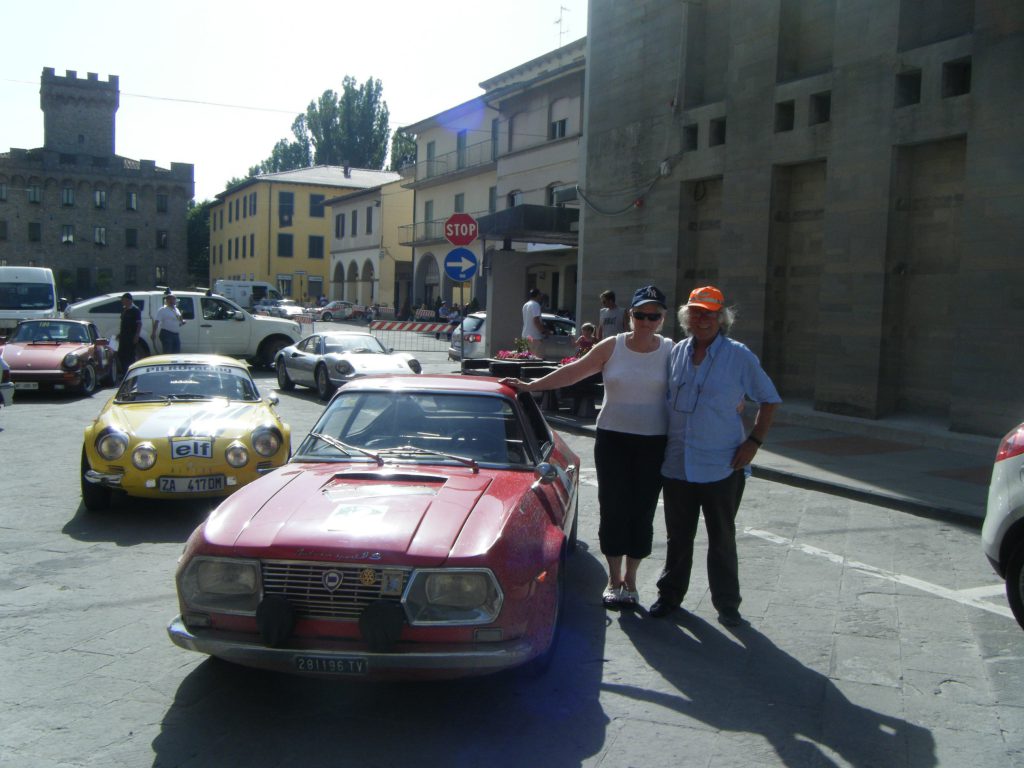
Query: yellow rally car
x: 182, y: 425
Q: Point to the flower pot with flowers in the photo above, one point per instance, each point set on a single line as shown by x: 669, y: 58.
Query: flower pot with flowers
x: 508, y: 362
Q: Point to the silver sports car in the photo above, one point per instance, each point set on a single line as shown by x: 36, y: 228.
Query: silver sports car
x: 325, y: 361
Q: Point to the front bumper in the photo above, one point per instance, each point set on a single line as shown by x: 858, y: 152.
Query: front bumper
x: 145, y: 486
x: 47, y: 379
x: 441, y: 661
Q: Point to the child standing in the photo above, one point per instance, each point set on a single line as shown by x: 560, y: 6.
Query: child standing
x: 586, y: 339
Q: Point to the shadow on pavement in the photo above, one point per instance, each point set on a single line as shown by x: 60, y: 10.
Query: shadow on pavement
x: 741, y: 682
x: 130, y: 521
x: 229, y: 715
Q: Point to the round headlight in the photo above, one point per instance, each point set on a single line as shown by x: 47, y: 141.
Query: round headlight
x: 415, y: 366
x: 144, y: 456
x: 236, y: 455
x: 344, y: 367
x: 266, y: 442
x: 112, y: 445
x: 70, y: 360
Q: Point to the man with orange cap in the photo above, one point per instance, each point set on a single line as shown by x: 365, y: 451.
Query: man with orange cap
x: 707, y: 459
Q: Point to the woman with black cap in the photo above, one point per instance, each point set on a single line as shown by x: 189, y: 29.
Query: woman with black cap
x: 630, y: 444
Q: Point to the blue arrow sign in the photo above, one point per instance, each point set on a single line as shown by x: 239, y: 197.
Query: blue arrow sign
x: 460, y: 264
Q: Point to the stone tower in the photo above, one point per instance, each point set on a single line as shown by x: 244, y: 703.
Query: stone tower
x: 78, y: 115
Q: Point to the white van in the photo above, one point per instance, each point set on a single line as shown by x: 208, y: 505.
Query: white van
x: 25, y: 293
x: 246, y: 293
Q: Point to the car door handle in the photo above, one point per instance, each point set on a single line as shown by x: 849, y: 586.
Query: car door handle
x: 206, y: 325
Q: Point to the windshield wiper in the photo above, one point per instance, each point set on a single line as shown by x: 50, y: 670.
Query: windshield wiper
x: 192, y: 396
x: 415, y: 450
x: 346, y: 448
x: 130, y: 396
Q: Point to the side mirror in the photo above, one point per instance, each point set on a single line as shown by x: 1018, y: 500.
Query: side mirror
x: 273, y: 399
x: 102, y: 342
x: 238, y: 316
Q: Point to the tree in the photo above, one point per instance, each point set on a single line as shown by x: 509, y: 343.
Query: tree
x: 403, y: 149
x: 199, y: 242
x: 348, y: 129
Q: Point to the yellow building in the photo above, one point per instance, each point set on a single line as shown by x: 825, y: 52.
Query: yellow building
x: 276, y: 228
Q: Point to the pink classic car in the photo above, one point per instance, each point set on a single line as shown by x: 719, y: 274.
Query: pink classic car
x: 420, y: 529
x: 59, y: 355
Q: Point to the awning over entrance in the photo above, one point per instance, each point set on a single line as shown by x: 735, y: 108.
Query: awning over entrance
x: 532, y: 224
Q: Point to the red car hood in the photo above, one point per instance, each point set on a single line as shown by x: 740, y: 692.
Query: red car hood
x: 39, y: 357
x: 324, y: 513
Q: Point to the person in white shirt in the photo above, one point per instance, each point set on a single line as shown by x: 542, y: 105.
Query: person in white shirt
x: 533, y: 328
x: 167, y: 325
x: 631, y: 434
x: 611, y: 318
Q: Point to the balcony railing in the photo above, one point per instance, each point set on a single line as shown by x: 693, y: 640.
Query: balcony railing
x: 473, y: 156
x: 424, y: 232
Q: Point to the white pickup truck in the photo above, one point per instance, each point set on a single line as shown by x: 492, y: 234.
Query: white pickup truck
x: 213, y: 324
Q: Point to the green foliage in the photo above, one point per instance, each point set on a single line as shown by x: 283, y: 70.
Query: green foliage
x: 348, y: 129
x: 403, y: 149
x: 199, y: 242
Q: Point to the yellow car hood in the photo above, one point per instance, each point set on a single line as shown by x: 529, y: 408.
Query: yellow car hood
x: 208, y: 418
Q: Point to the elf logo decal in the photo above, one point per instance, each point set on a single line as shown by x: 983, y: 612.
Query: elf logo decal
x: 187, y: 447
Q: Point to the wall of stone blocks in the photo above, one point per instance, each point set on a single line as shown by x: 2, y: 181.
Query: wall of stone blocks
x: 820, y: 124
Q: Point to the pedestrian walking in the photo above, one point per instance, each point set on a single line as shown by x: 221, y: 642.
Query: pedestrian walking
x: 167, y: 325
x: 611, y: 318
x: 630, y: 442
x: 708, y: 455
x: 128, y: 334
x: 533, y: 327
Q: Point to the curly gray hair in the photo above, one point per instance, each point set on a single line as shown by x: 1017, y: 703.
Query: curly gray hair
x: 726, y: 317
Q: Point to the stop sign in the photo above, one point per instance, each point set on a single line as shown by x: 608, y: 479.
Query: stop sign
x: 460, y: 229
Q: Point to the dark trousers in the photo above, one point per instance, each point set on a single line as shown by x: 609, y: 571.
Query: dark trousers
x: 628, y: 484
x: 720, y: 501
x: 170, y: 342
x: 125, y: 357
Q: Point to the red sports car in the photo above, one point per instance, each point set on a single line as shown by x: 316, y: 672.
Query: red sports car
x: 420, y: 529
x: 58, y: 354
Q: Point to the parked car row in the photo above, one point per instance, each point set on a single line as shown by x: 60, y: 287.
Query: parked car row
x: 469, y: 338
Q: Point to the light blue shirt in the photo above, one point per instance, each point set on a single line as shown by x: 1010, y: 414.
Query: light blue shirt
x: 705, y: 406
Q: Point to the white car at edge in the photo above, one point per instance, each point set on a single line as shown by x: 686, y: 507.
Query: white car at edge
x: 1002, y: 535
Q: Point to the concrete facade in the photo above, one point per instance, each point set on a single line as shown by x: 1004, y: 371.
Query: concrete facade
x: 368, y: 265
x: 102, y: 222
x: 849, y: 174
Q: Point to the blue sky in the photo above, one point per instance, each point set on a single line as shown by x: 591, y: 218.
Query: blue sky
x: 217, y: 84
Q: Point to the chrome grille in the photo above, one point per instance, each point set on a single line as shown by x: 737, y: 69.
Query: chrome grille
x: 302, y: 585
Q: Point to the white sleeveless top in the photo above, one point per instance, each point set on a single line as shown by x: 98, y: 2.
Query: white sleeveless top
x: 635, y: 387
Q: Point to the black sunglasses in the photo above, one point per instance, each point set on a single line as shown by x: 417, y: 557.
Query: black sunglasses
x: 652, y: 316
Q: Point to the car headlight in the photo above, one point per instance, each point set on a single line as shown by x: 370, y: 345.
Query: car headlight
x: 415, y: 365
x: 112, y: 445
x: 70, y: 360
x: 453, y: 596
x: 226, y: 585
x: 236, y: 455
x: 144, y: 456
x: 266, y: 442
x: 344, y: 367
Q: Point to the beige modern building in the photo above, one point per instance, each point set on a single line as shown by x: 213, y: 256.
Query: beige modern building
x: 511, y: 159
x: 275, y: 227
x: 100, y: 221
x: 368, y: 264
x: 848, y: 173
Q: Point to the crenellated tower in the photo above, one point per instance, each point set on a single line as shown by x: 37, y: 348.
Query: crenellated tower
x: 78, y: 115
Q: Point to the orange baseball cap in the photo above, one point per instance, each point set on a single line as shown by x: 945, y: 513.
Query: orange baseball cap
x: 708, y: 297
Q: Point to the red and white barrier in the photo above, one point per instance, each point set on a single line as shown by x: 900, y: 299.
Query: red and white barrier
x: 409, y: 326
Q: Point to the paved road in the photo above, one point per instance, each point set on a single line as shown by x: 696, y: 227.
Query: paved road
x: 877, y: 639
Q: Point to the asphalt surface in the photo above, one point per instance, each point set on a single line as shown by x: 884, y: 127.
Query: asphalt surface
x: 878, y: 633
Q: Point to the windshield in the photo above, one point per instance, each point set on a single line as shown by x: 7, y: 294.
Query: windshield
x: 154, y: 383
x: 26, y: 296
x: 353, y: 344
x: 418, y: 427
x: 44, y: 331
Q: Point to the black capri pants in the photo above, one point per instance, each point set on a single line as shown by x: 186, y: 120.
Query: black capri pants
x: 628, y: 484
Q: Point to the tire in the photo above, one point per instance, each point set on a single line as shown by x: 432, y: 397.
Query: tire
x: 1015, y: 584
x: 324, y: 388
x: 327, y: 317
x: 89, y: 380
x: 96, y: 498
x: 269, y: 349
x: 284, y: 381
